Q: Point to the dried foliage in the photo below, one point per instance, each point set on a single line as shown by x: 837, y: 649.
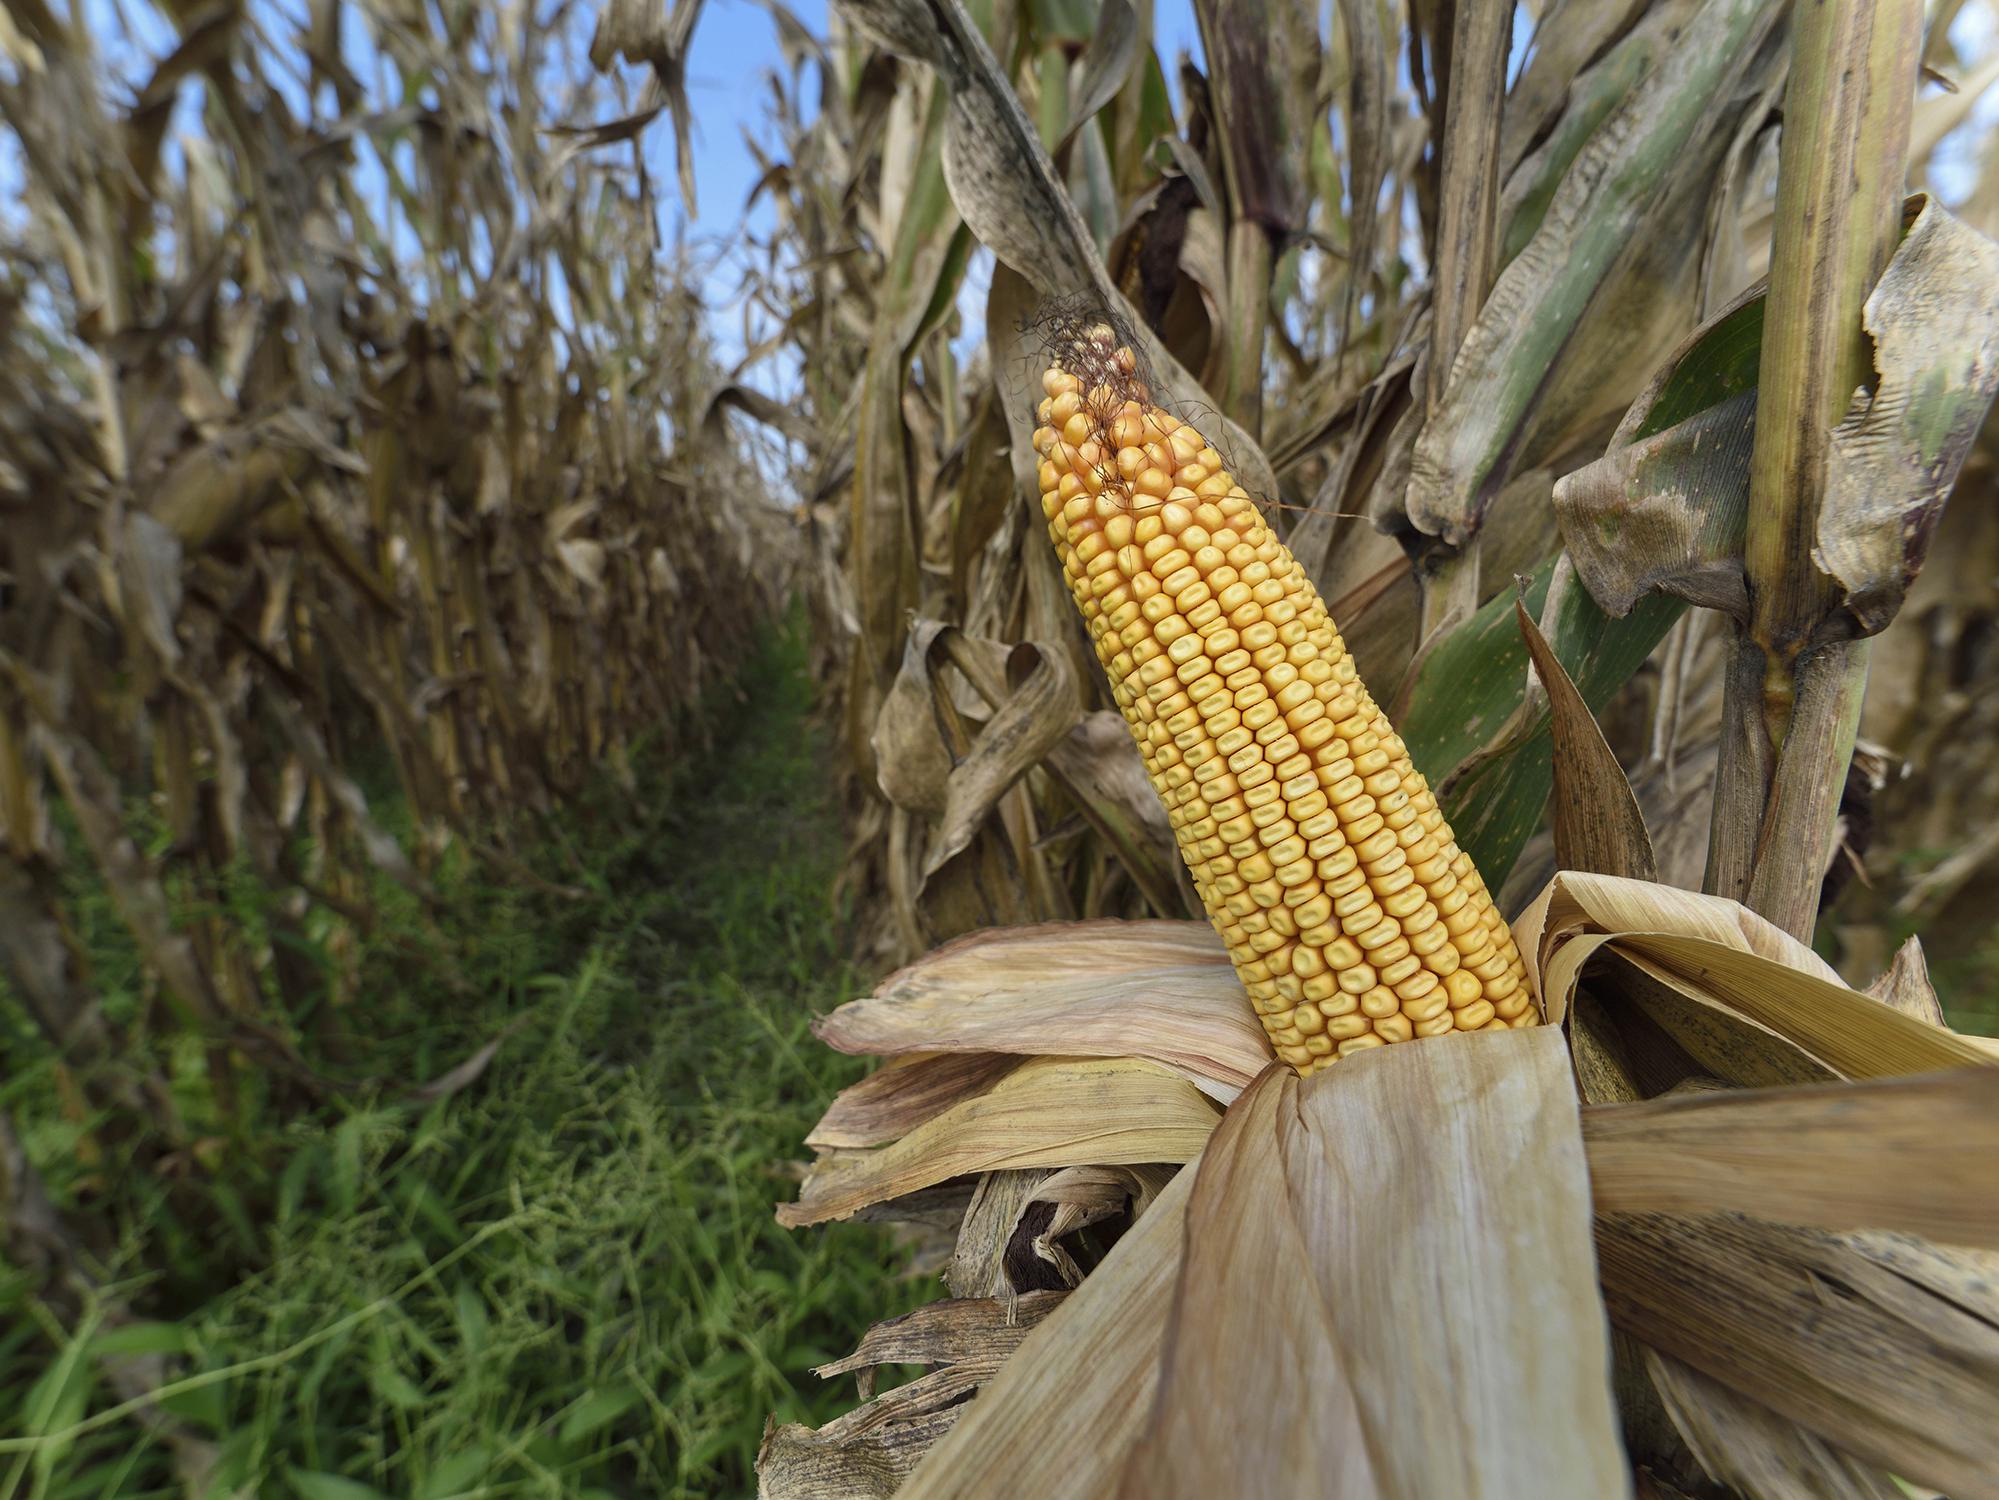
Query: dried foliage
x: 1610, y: 455
x: 350, y: 432
x: 1316, y: 1208
x: 1293, y: 215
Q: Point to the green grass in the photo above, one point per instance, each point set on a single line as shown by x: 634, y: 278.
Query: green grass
x: 562, y: 1280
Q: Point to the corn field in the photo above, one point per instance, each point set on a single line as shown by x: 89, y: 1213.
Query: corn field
x: 1287, y: 266
x: 352, y: 439
x: 1572, y: 420
x: 1585, y: 383
x: 295, y: 475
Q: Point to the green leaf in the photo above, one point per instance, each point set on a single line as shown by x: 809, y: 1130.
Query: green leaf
x: 422, y: 1201
x: 1472, y: 684
x: 1597, y: 91
x: 460, y: 1472
x: 1064, y: 20
x: 474, y: 1324
x: 344, y: 1187
x: 232, y: 1211
x: 296, y: 1178
x: 141, y: 1338
x: 57, y: 1399
x: 1667, y: 505
x: 597, y: 1411
x: 310, y: 1484
x: 1664, y: 129
x: 1934, y: 321
x: 1722, y: 363
x: 204, y: 1406
x: 394, y: 1387
x: 323, y: 1364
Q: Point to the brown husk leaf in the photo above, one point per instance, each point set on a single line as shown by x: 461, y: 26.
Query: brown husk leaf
x: 1050, y: 1112
x: 1161, y: 990
x: 1402, y: 1236
x: 1058, y: 1417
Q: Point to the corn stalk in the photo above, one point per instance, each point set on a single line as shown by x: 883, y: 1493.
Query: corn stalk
x: 367, y: 437
x: 1796, y: 678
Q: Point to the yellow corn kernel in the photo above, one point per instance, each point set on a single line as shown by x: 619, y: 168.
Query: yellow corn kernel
x: 1351, y: 915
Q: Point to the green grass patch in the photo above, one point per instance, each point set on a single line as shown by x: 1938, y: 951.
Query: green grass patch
x: 563, y: 1279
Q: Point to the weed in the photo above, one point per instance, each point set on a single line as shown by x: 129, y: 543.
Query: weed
x: 563, y: 1279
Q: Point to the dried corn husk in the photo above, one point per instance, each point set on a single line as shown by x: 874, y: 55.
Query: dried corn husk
x: 1054, y: 1112
x: 1163, y: 990
x: 1406, y: 1240
x: 1876, y: 1148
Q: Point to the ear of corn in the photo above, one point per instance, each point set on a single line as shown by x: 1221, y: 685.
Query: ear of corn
x: 1318, y: 849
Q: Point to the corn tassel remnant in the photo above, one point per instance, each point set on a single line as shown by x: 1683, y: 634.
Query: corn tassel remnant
x: 1318, y: 849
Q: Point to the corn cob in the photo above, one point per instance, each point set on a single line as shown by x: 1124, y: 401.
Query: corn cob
x: 1317, y: 848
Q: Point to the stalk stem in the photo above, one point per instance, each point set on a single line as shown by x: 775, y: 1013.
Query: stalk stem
x: 1467, y: 254
x: 1793, y: 671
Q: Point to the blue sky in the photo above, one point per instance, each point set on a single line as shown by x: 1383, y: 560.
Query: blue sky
x: 736, y: 43
x: 735, y: 47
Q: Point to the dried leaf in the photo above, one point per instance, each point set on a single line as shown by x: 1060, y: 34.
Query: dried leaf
x: 1048, y: 1112
x: 1934, y: 320
x: 1856, y: 1036
x: 927, y: 758
x: 659, y: 37
x: 1086, y: 1195
x: 1667, y: 506
x: 1760, y: 985
x: 972, y: 1332
x: 990, y: 1257
x: 1009, y: 1243
x: 1266, y: 115
x: 1368, y: 94
x: 1263, y: 67
x: 383, y: 850
x: 898, y: 1097
x: 1004, y: 183
x: 1057, y: 1419
x: 1099, y: 766
x: 1598, y: 826
x: 1571, y: 34
x: 1917, y: 1155
x: 1666, y: 512
x: 1465, y: 242
x: 1743, y: 1444
x: 149, y: 589
x: 1884, y: 1348
x: 963, y: 1341
x: 912, y: 758
x: 132, y: 880
x: 795, y: 1463
x: 1036, y: 717
x: 1503, y: 370
x: 464, y: 1075
x: 1159, y: 990
x: 1102, y: 69
x: 921, y: 226
x: 1414, y: 1223
x: 1575, y: 904
x: 1906, y: 986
